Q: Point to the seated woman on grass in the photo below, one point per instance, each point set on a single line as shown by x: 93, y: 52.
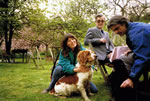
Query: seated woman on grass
x: 67, y: 61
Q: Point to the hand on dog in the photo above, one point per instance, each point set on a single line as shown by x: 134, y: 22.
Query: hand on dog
x: 81, y: 69
x: 127, y: 83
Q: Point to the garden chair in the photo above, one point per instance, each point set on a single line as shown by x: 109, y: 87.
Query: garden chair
x: 5, y: 57
x: 102, y: 67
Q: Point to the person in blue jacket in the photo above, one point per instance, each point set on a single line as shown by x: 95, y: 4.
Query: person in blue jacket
x: 67, y: 61
x: 138, y: 40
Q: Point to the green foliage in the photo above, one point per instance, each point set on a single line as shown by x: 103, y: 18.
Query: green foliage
x: 79, y: 15
x: 146, y: 18
x: 2, y: 27
x: 118, y: 40
x: 77, y: 26
x: 85, y: 9
x: 13, y: 15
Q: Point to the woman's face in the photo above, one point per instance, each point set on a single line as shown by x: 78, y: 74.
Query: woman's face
x: 71, y: 43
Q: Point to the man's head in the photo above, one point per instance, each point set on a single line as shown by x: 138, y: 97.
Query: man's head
x: 118, y: 24
x: 99, y: 20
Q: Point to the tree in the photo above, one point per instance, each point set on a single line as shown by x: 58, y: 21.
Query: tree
x: 84, y: 9
x: 1, y: 31
x: 13, y: 15
x: 53, y: 32
x: 133, y: 9
x: 79, y: 14
x: 146, y: 17
x: 138, y: 10
x: 9, y: 19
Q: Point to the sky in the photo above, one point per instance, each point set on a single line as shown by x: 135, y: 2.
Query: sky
x: 53, y: 8
x: 49, y: 7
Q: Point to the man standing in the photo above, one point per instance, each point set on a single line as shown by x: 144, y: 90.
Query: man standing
x: 138, y: 40
x: 100, y: 40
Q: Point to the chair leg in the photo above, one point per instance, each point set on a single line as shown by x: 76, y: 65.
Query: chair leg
x: 104, y: 69
x: 145, y: 76
x: 103, y: 73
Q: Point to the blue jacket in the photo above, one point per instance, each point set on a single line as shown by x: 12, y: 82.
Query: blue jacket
x: 68, y: 63
x: 138, y: 40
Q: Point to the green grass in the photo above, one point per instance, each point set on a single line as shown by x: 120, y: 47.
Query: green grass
x: 23, y: 82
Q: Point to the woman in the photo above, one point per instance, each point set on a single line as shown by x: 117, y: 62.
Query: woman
x: 67, y: 61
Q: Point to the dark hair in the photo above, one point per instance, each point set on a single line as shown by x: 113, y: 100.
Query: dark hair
x: 99, y: 15
x: 117, y: 19
x: 65, y: 48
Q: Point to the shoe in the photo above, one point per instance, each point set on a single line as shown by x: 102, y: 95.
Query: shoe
x: 52, y: 92
x: 44, y: 91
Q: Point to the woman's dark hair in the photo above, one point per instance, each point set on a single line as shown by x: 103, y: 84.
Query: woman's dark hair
x: 118, y: 19
x: 65, y: 48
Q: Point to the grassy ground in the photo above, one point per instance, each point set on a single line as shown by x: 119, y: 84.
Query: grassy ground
x: 23, y: 82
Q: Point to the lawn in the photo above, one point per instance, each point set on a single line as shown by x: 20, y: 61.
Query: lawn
x: 23, y: 82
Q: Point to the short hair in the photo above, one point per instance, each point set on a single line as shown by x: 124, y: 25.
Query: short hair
x: 117, y: 19
x: 99, y: 15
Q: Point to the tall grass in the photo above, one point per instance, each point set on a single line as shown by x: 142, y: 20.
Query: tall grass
x: 23, y: 82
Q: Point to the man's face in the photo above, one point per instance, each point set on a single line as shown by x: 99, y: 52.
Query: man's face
x: 100, y: 22
x: 119, y: 29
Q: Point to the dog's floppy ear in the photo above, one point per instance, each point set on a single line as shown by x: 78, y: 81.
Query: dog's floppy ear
x: 82, y: 57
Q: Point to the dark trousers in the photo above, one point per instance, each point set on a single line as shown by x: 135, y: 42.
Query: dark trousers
x: 117, y: 77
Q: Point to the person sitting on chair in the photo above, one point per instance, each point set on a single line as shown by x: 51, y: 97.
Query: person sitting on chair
x: 100, y: 41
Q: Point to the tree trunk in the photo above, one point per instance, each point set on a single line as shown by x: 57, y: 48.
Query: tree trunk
x: 9, y: 29
x: 8, y: 37
x: 1, y: 41
x: 46, y: 48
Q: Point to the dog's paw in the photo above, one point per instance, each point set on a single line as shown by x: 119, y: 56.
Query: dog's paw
x: 63, y: 97
x: 52, y: 93
x: 91, y: 94
x: 87, y: 100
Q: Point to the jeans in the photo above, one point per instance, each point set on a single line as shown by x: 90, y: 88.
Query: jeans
x: 58, y: 73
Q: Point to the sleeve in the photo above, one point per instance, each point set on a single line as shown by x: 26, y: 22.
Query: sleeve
x: 82, y: 48
x: 141, y: 49
x: 89, y: 38
x: 65, y: 62
x: 111, y: 45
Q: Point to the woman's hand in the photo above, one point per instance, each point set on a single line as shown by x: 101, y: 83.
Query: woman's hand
x: 81, y: 69
x: 127, y: 83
